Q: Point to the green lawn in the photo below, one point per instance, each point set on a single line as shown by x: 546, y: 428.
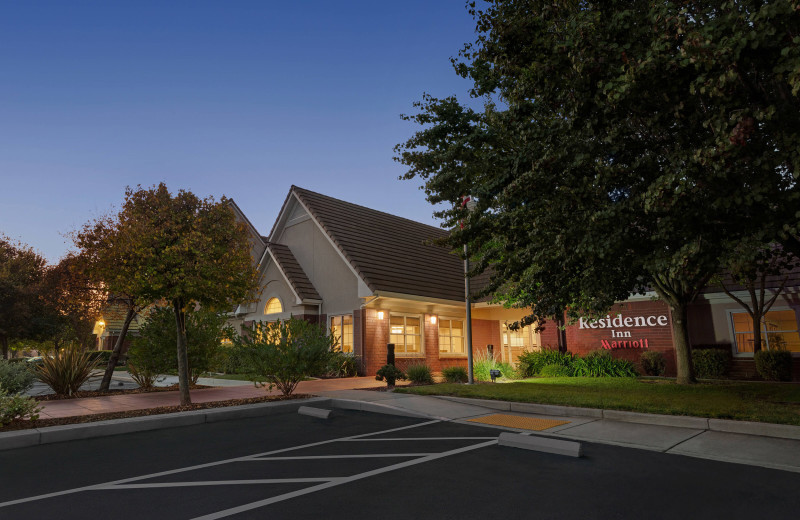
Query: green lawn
x: 764, y: 402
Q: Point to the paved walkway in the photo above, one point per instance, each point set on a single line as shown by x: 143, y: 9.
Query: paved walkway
x: 121, y: 403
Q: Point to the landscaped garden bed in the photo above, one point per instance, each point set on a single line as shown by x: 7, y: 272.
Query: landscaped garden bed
x: 95, y: 393
x: 80, y: 419
x: 745, y: 401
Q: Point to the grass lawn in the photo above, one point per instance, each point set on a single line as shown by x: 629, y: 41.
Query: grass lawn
x: 745, y: 401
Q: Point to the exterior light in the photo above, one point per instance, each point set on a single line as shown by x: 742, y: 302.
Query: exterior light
x: 101, y: 323
x: 433, y: 320
x: 380, y: 315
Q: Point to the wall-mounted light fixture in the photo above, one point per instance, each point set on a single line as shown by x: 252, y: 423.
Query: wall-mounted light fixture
x: 433, y: 320
x: 101, y: 323
x: 380, y: 315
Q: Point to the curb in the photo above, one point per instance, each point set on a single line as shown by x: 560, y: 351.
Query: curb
x: 364, y: 406
x: 778, y: 431
x: 72, y: 432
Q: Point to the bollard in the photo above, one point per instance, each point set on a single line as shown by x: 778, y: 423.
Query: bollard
x: 390, y: 354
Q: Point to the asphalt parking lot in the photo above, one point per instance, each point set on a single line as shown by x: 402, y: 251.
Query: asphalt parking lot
x: 359, y: 465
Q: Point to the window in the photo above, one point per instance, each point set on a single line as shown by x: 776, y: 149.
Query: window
x: 516, y: 341
x: 778, y: 331
x: 405, y: 331
x: 273, y: 306
x: 342, y: 330
x: 451, y: 336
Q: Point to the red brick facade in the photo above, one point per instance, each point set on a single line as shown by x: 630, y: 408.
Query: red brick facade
x: 624, y: 342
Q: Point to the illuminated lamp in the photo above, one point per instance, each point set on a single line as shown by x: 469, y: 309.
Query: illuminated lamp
x: 433, y: 320
x: 380, y: 315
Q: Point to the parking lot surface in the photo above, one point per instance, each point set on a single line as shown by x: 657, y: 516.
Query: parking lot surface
x: 358, y: 465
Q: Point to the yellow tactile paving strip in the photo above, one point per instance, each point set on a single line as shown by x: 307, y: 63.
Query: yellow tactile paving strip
x: 516, y: 421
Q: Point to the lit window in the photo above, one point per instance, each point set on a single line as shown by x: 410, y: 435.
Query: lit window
x: 778, y: 331
x: 516, y: 341
x: 273, y: 306
x: 342, y: 330
x: 406, y: 334
x: 451, y: 336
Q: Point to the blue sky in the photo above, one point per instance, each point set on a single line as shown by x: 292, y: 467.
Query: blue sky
x: 241, y: 98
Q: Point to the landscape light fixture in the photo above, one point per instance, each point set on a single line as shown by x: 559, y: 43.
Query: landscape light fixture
x: 494, y: 373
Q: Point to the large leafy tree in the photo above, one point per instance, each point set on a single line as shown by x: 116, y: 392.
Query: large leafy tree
x: 21, y: 272
x: 184, y: 250
x: 621, y: 145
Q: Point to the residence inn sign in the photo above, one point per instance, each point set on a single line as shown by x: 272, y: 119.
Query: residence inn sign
x: 626, y: 331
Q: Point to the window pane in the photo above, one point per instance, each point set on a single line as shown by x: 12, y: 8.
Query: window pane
x: 412, y: 325
x: 742, y: 322
x: 412, y: 343
x: 458, y: 345
x: 458, y: 328
x: 744, y: 342
x: 444, y: 343
x: 398, y: 341
x: 784, y: 341
x: 781, y: 320
x: 273, y: 306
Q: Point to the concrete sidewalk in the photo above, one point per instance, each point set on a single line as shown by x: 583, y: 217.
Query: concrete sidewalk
x: 766, y: 445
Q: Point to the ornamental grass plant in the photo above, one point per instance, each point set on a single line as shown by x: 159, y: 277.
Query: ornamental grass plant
x: 66, y: 373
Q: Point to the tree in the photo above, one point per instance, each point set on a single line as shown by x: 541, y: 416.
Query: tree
x: 632, y: 144
x: 101, y: 252
x: 21, y: 271
x: 184, y: 250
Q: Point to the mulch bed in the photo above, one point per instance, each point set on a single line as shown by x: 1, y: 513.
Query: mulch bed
x: 95, y: 393
x: 80, y: 419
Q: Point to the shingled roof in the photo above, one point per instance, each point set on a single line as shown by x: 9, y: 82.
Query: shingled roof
x: 298, y: 279
x: 390, y: 253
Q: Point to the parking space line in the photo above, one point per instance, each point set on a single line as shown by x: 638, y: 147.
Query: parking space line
x: 313, y: 489
x: 206, y: 465
x: 419, y: 439
x: 359, y: 456
x: 218, y: 483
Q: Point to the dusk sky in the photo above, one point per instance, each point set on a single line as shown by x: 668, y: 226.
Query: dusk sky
x: 235, y: 98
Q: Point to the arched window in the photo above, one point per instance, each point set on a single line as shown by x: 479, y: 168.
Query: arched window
x: 273, y: 306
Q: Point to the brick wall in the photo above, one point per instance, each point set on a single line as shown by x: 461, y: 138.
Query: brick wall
x: 581, y: 341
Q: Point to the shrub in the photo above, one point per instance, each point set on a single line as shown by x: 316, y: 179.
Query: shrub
x: 709, y: 363
x: 284, y: 353
x: 653, y: 363
x: 774, y: 365
x: 17, y: 406
x: 531, y: 362
x: 155, y: 350
x: 66, y: 373
x: 455, y: 374
x: 143, y: 376
x: 15, y: 378
x: 340, y: 364
x: 555, y: 371
x: 600, y: 363
x: 390, y: 374
x: 419, y: 373
x: 482, y: 364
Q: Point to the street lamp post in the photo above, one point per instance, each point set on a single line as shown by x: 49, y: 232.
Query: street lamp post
x: 470, y: 203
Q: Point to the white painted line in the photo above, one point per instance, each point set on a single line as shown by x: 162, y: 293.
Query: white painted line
x: 419, y: 439
x: 286, y: 496
x: 206, y: 465
x: 363, y: 456
x: 158, y: 485
x: 556, y: 446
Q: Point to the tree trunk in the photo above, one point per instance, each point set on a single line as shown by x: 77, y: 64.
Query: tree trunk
x: 561, y: 333
x: 757, y: 317
x: 183, y: 359
x: 4, y: 343
x: 680, y: 335
x: 112, y: 361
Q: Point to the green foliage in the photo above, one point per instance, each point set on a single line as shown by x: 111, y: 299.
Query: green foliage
x: 600, y: 363
x: 282, y: 354
x: 531, y: 362
x: 455, y: 375
x: 419, y: 373
x: 67, y: 372
x: 144, y: 375
x: 711, y: 362
x: 17, y: 406
x: 555, y: 371
x: 340, y: 364
x: 774, y: 365
x: 390, y: 374
x: 154, y: 351
x: 636, y: 144
x: 653, y: 363
x: 482, y: 364
x: 16, y: 378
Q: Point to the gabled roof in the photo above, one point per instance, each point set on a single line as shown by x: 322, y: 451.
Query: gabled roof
x: 389, y: 253
x: 294, y: 274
